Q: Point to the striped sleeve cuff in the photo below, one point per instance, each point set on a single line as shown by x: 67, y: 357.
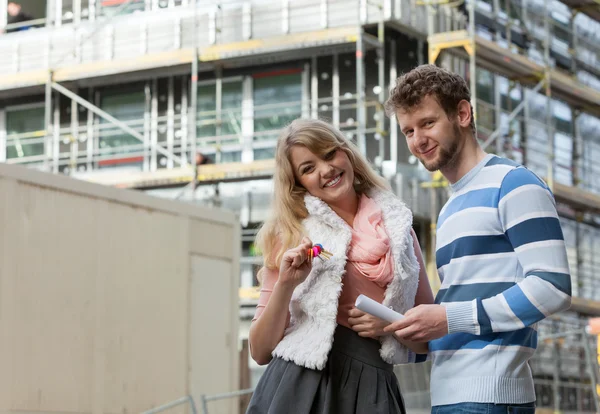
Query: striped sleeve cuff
x: 462, y: 317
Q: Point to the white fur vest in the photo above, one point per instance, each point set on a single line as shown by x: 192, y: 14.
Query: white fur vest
x: 313, y: 308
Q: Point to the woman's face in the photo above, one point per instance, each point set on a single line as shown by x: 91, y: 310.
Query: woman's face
x: 329, y: 177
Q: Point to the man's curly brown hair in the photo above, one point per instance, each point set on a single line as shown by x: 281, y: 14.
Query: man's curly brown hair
x: 429, y: 80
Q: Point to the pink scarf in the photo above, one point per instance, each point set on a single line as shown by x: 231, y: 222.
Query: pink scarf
x: 370, y: 247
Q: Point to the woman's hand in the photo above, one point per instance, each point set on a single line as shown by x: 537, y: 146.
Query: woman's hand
x: 367, y: 326
x: 295, y: 264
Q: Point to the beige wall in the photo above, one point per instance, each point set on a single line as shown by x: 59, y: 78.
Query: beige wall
x: 112, y: 301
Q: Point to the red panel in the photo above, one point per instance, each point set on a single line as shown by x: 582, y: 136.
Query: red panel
x: 116, y: 161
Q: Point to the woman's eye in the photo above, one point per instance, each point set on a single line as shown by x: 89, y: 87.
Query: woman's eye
x: 330, y: 155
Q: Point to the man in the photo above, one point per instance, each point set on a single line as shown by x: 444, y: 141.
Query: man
x: 202, y: 159
x: 500, y: 255
x: 16, y: 13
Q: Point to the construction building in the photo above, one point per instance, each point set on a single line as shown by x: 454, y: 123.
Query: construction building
x: 127, y: 92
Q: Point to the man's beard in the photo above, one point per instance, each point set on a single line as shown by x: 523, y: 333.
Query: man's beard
x: 446, y: 157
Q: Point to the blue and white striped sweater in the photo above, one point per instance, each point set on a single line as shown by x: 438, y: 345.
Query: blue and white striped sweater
x: 502, y: 260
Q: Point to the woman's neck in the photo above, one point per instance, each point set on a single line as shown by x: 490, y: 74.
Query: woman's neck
x: 347, y: 208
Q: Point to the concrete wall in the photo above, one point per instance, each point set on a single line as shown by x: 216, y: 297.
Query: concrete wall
x: 112, y: 301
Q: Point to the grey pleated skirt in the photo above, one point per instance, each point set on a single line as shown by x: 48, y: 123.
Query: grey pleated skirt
x: 354, y: 380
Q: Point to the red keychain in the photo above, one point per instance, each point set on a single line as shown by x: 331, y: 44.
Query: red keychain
x: 318, y: 251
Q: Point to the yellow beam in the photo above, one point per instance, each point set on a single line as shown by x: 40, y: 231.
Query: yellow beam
x: 251, y: 293
x: 585, y: 306
x: 584, y: 200
x: 109, y: 67
x: 445, y: 3
x: 167, y: 177
x: 448, y: 40
x: 97, y: 68
x: 320, y: 37
x: 215, y: 172
x: 24, y: 79
x: 434, y: 185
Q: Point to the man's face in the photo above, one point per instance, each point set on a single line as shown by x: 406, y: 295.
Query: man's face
x: 431, y: 137
x: 13, y: 9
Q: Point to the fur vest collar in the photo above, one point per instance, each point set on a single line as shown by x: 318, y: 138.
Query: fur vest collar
x: 313, y: 308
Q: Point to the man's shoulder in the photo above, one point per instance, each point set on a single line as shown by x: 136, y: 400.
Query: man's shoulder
x: 521, y: 178
x: 507, y: 174
x: 497, y: 160
x: 490, y: 177
x: 497, y: 168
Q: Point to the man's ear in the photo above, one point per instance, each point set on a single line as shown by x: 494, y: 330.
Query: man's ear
x: 464, y: 114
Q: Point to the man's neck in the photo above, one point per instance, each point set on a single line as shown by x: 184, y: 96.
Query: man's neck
x: 469, y: 156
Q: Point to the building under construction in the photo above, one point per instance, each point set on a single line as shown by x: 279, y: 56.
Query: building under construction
x: 127, y: 92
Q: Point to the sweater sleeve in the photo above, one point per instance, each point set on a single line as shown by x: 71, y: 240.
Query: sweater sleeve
x: 530, y: 221
x: 269, y: 278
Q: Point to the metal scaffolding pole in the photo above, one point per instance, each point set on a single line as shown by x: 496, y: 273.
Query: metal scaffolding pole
x: 153, y: 124
x: 47, y: 120
x: 498, y: 114
x: 170, y: 119
x: 147, y: 144
x: 74, y: 137
x: 194, y: 103
x: 314, y: 88
x: 335, y: 86
x: 578, y: 254
x: 219, y: 110
x: 525, y: 123
x: 381, y: 132
x: 361, y: 113
x: 472, y: 52
x: 547, y: 76
x: 556, y: 374
x: 577, y: 148
x: 55, y: 134
x: 393, y: 122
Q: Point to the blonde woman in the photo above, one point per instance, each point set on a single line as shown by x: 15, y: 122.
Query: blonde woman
x: 324, y: 355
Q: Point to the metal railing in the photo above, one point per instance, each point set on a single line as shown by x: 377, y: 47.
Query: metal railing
x: 204, y: 400
x: 181, y: 401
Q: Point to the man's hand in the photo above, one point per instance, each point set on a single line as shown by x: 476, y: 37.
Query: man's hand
x: 421, y: 324
x: 367, y: 326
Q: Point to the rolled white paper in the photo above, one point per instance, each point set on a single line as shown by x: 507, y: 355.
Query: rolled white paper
x: 368, y: 305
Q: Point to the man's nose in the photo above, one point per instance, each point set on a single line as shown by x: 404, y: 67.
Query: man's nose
x: 420, y: 139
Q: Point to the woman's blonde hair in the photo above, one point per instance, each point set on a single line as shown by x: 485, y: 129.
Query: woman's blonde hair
x: 283, y: 228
